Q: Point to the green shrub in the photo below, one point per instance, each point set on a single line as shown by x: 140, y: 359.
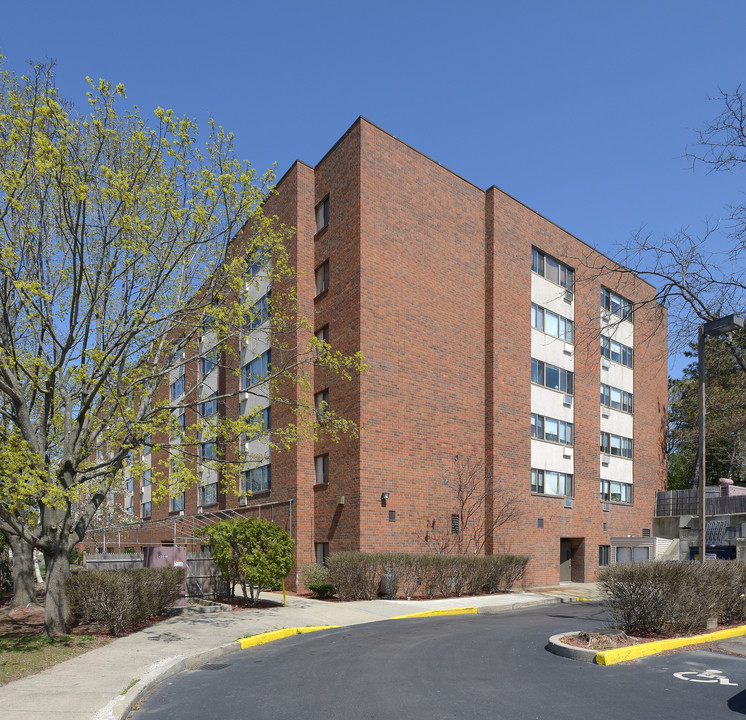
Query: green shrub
x: 316, y: 578
x: 122, y: 598
x: 257, y: 554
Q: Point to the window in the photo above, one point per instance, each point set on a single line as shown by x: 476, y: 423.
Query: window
x: 551, y: 377
x: 322, y: 278
x: 322, y: 553
x: 612, y: 491
x: 616, y: 352
x: 551, y: 430
x: 257, y: 479
x: 553, y: 270
x: 321, y: 404
x: 130, y: 485
x: 616, y: 445
x: 603, y: 555
x: 322, y: 334
x: 257, y: 370
x: 207, y: 362
x: 322, y: 469
x: 615, y: 398
x: 616, y: 304
x: 130, y: 509
x: 551, y: 323
x: 257, y: 259
x: 260, y: 312
x: 177, y: 387
x: 322, y: 214
x: 147, y: 509
x: 208, y: 451
x: 455, y: 524
x: 208, y: 494
x: 209, y: 406
x: 177, y: 503
x: 180, y: 424
x: 262, y: 423
x: 145, y: 479
x: 548, y: 482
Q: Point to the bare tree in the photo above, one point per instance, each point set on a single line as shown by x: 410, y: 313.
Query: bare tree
x: 701, y: 276
x: 481, y: 505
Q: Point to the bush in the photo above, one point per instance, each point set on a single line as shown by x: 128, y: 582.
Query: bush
x: 122, y: 598
x: 257, y: 554
x: 316, y: 578
x: 652, y: 597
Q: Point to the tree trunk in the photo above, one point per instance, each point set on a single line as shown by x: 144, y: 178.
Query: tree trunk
x: 23, y: 572
x: 57, y: 616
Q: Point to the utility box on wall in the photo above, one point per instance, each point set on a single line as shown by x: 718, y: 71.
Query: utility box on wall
x: 168, y: 556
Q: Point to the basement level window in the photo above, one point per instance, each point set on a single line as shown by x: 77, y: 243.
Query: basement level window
x: 392, y: 515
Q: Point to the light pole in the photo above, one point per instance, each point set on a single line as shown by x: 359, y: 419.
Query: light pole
x: 713, y: 327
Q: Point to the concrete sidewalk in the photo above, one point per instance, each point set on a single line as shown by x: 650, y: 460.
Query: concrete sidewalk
x: 106, y: 683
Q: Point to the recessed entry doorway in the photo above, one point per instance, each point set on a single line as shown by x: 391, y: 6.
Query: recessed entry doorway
x: 572, y: 560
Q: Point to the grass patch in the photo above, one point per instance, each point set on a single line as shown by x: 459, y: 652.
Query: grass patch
x: 26, y: 653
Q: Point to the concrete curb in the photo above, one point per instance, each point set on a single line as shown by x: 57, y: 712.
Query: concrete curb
x: 272, y: 635
x: 611, y: 657
x: 557, y: 647
x: 496, y: 609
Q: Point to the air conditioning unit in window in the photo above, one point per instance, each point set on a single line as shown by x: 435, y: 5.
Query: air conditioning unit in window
x: 567, y: 452
x: 605, y: 459
x: 567, y: 349
x: 199, y: 510
x: 567, y: 401
x: 242, y: 500
x: 605, y: 506
x: 568, y: 502
x: 605, y: 363
x: 568, y: 295
x: 181, y: 512
x: 246, y: 447
x: 605, y: 412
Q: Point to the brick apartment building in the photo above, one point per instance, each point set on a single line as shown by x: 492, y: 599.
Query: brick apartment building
x: 480, y: 322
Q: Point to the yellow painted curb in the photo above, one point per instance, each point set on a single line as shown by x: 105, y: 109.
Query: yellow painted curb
x: 279, y: 634
x: 610, y: 657
x: 433, y: 613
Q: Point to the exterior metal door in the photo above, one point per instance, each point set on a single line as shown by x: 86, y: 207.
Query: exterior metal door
x: 565, y: 561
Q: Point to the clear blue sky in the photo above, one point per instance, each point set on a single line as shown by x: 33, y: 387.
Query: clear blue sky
x: 582, y: 110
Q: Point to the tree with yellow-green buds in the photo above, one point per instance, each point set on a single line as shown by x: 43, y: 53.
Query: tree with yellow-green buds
x: 119, y: 237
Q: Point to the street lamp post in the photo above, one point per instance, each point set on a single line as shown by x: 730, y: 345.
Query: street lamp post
x: 713, y: 327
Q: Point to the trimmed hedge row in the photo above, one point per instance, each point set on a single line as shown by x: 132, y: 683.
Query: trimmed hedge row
x: 122, y: 598
x: 653, y: 597
x: 364, y: 576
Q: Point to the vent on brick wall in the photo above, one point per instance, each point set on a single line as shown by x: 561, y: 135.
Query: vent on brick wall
x: 568, y: 502
x: 540, y: 523
x: 605, y: 506
x: 646, y: 532
x: 455, y: 524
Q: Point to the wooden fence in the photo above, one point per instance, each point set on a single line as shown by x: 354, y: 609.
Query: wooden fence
x: 686, y: 502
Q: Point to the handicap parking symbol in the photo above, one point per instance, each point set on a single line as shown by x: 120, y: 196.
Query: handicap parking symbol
x: 707, y: 676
